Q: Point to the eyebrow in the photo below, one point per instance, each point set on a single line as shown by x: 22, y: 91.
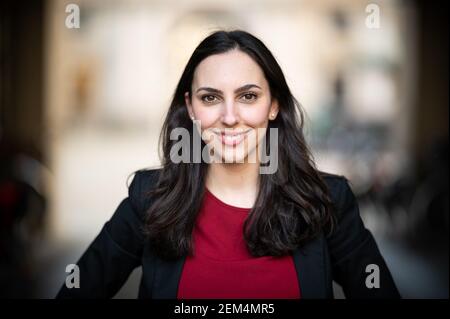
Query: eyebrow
x: 238, y: 90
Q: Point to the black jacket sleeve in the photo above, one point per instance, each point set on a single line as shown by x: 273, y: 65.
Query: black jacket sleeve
x: 115, y: 252
x: 353, y: 248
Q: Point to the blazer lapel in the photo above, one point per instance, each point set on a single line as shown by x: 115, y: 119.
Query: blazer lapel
x: 310, y: 265
x: 166, y: 278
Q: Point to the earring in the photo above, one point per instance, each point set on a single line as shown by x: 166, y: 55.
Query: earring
x: 272, y: 115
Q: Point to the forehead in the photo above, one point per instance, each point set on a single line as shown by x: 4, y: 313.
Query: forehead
x: 231, y: 69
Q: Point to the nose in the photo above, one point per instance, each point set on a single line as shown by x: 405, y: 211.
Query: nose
x: 229, y: 115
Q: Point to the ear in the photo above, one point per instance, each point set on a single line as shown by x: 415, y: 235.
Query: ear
x: 187, y: 101
x: 273, y: 111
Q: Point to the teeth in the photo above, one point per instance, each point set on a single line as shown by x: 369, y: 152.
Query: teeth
x: 238, y: 134
x: 232, y: 138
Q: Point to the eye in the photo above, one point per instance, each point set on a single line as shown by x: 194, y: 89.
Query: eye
x: 249, y: 96
x: 208, y: 98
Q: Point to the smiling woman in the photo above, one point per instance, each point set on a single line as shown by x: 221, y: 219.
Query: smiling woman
x: 221, y: 228
x: 232, y: 100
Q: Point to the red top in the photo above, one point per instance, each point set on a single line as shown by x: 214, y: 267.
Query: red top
x: 222, y: 266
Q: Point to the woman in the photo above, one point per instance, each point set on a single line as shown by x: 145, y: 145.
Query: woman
x: 217, y: 225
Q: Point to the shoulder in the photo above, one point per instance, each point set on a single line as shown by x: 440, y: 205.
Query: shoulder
x: 335, y: 183
x: 340, y: 191
x: 144, y: 180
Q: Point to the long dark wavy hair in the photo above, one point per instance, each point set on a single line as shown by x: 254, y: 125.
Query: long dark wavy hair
x: 293, y: 204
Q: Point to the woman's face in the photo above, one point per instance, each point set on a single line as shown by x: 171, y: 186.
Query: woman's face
x: 231, y: 99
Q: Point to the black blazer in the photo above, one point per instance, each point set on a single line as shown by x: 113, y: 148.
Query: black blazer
x: 120, y: 248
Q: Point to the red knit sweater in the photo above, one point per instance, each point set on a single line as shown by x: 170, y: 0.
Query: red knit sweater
x: 222, y: 267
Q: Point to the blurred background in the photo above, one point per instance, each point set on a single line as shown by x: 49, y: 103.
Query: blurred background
x: 82, y: 107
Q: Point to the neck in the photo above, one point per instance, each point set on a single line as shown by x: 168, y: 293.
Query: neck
x: 234, y: 180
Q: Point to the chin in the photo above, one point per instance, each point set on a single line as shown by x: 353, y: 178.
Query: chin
x: 235, y: 156
x: 230, y: 159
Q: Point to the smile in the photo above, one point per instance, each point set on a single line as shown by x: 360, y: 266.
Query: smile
x: 232, y: 138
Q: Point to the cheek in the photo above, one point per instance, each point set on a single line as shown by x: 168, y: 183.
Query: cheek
x: 207, y: 116
x: 255, y: 117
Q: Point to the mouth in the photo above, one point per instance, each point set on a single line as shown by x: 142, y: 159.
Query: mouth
x: 232, y: 137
